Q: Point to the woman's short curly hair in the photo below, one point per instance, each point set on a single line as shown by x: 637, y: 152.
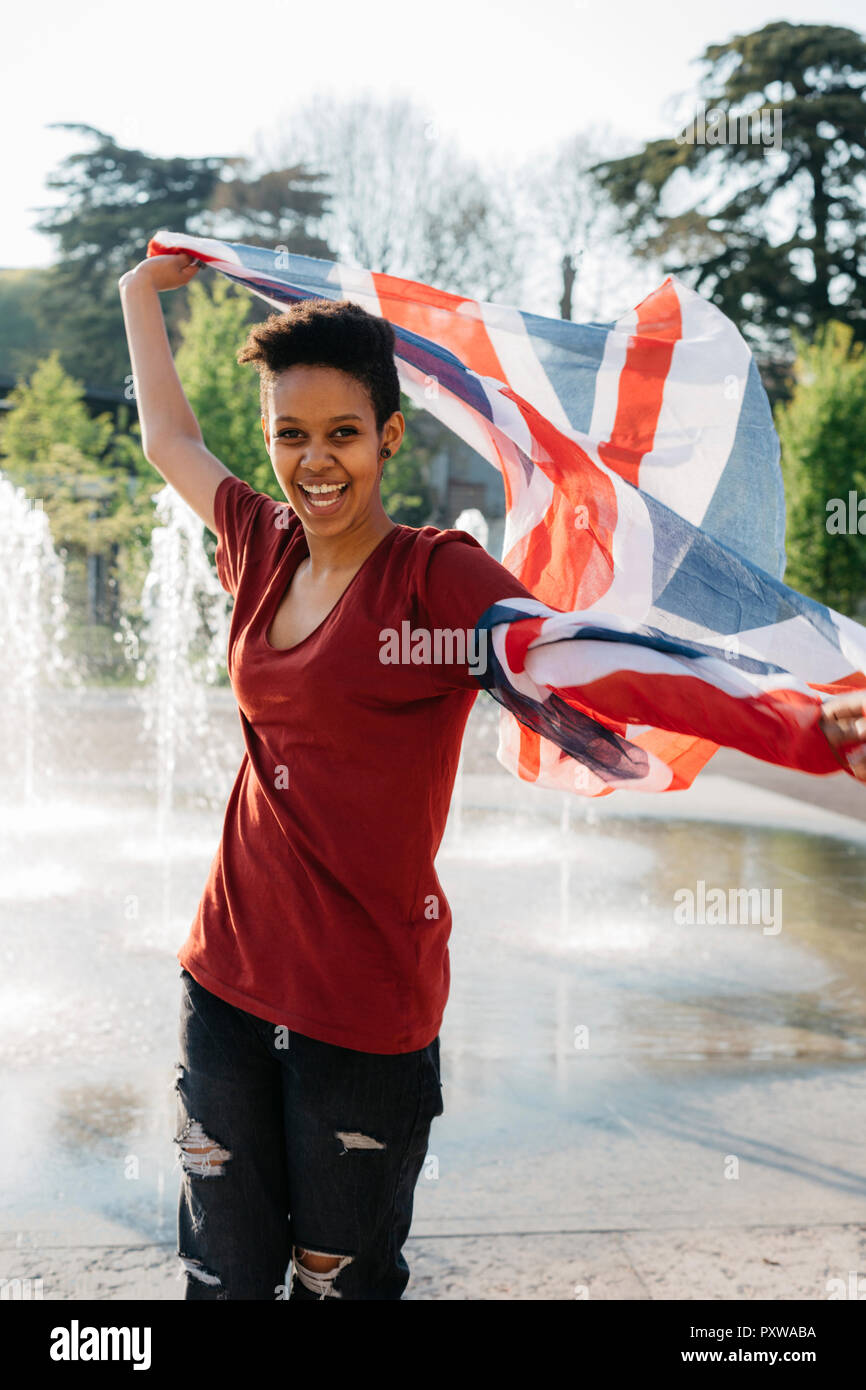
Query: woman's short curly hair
x: 328, y: 333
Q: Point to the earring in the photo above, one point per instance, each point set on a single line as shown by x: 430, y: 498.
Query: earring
x: 386, y: 453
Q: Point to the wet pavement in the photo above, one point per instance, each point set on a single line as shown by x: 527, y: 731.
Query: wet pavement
x: 617, y: 1065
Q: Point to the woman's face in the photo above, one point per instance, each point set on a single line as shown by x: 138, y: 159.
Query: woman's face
x: 324, y: 446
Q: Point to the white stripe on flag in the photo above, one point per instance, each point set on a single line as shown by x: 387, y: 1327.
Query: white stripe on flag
x: 450, y: 410
x: 206, y: 245
x: 578, y: 662
x: 698, y: 419
x: 524, y: 373
x: 607, y: 378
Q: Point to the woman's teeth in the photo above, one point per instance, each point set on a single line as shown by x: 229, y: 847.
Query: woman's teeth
x: 322, y: 494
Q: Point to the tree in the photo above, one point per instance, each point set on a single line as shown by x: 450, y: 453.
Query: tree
x: 24, y: 335
x: 47, y: 419
x: 822, y: 431
x: 405, y: 488
x: 269, y: 209
x: 93, y: 482
x: 112, y: 201
x: 223, y: 395
x: 111, y: 196
x: 403, y: 200
x: 575, y: 228
x: 776, y: 236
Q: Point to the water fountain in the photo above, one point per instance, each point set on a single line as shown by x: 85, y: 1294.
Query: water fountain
x: 474, y: 522
x: 108, y: 817
x: 32, y: 632
x: 563, y: 923
x: 179, y: 659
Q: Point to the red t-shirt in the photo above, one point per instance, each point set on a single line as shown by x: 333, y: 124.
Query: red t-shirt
x: 323, y: 910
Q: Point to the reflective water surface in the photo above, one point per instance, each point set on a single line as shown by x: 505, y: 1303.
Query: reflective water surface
x: 603, y: 1059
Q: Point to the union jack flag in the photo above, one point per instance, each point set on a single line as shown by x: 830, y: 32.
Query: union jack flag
x: 644, y: 512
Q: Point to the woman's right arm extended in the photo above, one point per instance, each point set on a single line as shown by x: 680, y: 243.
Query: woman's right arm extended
x: 171, y: 438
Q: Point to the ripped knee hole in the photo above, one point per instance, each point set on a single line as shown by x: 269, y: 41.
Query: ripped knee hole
x: 318, y: 1271
x: 200, y: 1154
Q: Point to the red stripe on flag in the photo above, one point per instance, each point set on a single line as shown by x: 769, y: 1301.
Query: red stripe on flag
x: 520, y: 635
x: 529, y: 755
x: 642, y: 383
x: 684, y: 755
x: 450, y: 320
x: 569, y: 561
x: 156, y: 248
x: 778, y: 726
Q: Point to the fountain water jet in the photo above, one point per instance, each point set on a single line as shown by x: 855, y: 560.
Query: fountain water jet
x: 182, y: 652
x: 32, y: 629
x: 474, y: 523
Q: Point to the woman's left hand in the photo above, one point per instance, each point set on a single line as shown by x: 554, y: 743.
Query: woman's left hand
x: 843, y: 722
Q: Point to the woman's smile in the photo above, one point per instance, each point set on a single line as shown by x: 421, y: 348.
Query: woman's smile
x: 323, y: 498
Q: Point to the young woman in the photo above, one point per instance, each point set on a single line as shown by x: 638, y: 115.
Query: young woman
x: 315, y: 975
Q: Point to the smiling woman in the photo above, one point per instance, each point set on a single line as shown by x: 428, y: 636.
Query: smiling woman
x: 327, y: 429
x: 316, y: 971
x: 318, y: 958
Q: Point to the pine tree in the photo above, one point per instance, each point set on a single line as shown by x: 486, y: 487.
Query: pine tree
x: 773, y: 228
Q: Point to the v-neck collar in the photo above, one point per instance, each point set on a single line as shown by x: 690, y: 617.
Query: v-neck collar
x: 282, y: 588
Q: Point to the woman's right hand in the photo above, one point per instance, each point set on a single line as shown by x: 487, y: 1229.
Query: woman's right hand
x: 162, y: 272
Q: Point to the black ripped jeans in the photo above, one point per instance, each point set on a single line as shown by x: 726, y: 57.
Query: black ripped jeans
x: 288, y: 1143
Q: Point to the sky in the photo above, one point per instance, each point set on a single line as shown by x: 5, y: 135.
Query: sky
x: 502, y: 76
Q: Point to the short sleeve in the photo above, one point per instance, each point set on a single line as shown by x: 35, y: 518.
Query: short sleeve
x: 461, y: 582
x: 236, y: 506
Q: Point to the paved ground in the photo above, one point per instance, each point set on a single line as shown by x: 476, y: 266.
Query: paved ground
x: 835, y: 793
x: 715, y: 1263
x: 562, y: 1176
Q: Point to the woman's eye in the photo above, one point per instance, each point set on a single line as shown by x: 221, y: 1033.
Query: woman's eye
x: 285, y: 434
